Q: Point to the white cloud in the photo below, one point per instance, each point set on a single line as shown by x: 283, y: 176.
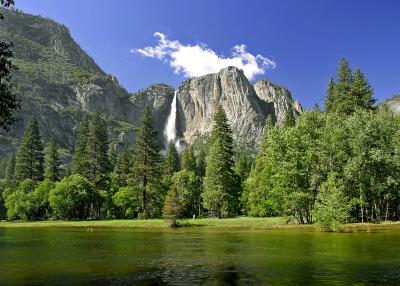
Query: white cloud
x: 199, y: 60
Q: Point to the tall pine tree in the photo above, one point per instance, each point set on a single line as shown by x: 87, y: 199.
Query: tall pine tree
x: 188, y: 160
x: 350, y: 92
x: 289, y: 121
x: 9, y: 174
x: 30, y: 158
x: 147, y: 162
x: 80, y: 163
x: 97, y: 153
x: 220, y: 189
x: 171, y: 162
x: 52, y: 163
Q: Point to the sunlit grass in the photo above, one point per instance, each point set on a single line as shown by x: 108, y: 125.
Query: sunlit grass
x: 238, y: 222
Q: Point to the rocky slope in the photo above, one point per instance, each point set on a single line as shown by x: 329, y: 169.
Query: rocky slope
x: 247, y: 106
x: 57, y: 81
x: 392, y: 103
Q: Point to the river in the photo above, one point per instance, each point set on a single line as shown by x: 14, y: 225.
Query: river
x: 197, y: 256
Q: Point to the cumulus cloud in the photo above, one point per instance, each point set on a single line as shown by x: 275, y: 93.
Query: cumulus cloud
x: 197, y: 60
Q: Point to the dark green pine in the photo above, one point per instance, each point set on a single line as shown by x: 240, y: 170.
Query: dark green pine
x: 30, y: 158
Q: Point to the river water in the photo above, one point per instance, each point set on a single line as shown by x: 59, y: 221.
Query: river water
x: 197, y: 256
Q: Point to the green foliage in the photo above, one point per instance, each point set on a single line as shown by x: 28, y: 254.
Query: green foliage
x: 125, y: 162
x: 289, y: 121
x: 80, y: 164
x: 30, y: 158
x: 8, y: 100
x: 332, y: 207
x: 220, y: 184
x: 91, y: 158
x: 188, y: 189
x: 147, y: 161
x: 17, y: 202
x: 9, y: 174
x: 52, y: 163
x: 37, y: 205
x: 127, y: 199
x: 97, y: 153
x: 350, y: 92
x: 171, y: 161
x: 294, y: 163
x: 73, y: 198
x: 188, y: 160
x: 173, y: 208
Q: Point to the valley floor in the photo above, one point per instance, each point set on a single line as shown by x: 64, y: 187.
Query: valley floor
x: 239, y: 223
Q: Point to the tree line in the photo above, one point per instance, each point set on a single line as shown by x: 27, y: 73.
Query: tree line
x: 330, y: 166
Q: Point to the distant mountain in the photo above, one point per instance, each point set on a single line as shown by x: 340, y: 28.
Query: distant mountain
x: 57, y: 81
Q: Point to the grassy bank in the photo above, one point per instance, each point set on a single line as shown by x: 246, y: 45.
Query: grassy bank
x: 240, y: 222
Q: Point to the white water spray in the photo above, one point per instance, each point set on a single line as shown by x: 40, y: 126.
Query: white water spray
x: 170, y: 128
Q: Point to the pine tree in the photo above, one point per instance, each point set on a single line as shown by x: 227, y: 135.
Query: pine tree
x: 30, y: 158
x: 171, y: 162
x: 80, y: 163
x: 52, y: 163
x: 330, y: 96
x: 9, y: 174
x: 188, y: 160
x: 220, y: 190
x: 350, y: 92
x: 97, y: 153
x: 201, y: 164
x: 8, y: 100
x: 289, y: 121
x: 362, y: 91
x: 125, y: 162
x: 147, y: 164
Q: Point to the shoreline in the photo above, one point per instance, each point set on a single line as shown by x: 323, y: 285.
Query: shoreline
x: 277, y: 223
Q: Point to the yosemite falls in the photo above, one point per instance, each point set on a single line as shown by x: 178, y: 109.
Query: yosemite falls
x: 170, y: 127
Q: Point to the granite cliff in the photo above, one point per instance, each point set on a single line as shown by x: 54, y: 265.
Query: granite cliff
x: 57, y: 82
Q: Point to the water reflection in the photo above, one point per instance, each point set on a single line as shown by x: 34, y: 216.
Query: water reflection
x: 197, y: 256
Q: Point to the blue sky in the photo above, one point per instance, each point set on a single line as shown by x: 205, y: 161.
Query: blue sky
x: 305, y: 39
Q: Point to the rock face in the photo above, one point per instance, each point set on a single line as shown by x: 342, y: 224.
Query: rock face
x: 392, y: 104
x: 57, y: 82
x: 247, y: 106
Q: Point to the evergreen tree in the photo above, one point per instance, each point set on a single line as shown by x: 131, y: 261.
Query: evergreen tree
x: 8, y: 101
x: 97, y: 153
x: 30, y: 158
x: 201, y: 164
x: 220, y: 190
x: 188, y: 160
x: 147, y: 162
x: 9, y: 174
x: 330, y: 96
x: 289, y: 121
x: 362, y: 91
x: 52, y: 163
x: 125, y: 162
x: 171, y: 162
x: 350, y: 92
x: 80, y: 163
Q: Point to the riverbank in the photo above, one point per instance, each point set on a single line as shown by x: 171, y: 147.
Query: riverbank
x: 239, y: 222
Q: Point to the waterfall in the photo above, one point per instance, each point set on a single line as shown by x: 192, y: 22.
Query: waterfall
x: 170, y: 127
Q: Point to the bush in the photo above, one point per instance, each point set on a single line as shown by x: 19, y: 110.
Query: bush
x: 17, y: 203
x: 37, y: 205
x: 127, y: 201
x: 73, y: 198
